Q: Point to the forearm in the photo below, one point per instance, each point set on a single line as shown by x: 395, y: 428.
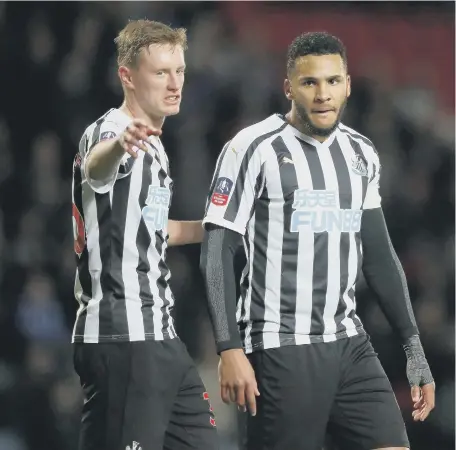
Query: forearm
x: 217, y: 266
x: 104, y: 159
x: 185, y: 232
x: 384, y: 274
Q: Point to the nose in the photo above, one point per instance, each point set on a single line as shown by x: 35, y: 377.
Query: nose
x: 174, y: 83
x: 322, y: 93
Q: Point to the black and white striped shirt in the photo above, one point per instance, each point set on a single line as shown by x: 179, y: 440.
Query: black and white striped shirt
x: 298, y: 203
x: 120, y: 240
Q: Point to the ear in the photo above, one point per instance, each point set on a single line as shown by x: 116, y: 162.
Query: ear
x: 287, y: 89
x: 348, y: 86
x: 125, y: 77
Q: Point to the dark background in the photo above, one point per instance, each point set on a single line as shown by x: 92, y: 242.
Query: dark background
x: 58, y: 73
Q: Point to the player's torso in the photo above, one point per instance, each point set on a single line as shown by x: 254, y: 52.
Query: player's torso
x: 304, y: 236
x: 120, y: 242
x: 134, y: 214
x: 309, y: 191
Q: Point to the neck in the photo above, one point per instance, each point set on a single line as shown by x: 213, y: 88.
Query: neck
x: 293, y: 119
x: 131, y: 108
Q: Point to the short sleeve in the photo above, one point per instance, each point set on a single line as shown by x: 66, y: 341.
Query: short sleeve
x: 373, y: 199
x: 236, y: 184
x: 104, y: 131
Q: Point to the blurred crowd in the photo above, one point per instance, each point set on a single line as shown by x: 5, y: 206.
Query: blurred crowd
x: 59, y: 75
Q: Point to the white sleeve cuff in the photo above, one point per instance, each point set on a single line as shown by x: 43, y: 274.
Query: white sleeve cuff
x: 224, y: 223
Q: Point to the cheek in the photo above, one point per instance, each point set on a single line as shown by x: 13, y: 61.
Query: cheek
x: 304, y: 98
x: 341, y: 93
x: 147, y: 84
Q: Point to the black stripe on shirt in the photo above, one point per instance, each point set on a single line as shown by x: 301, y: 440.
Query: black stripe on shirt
x: 97, y: 131
x: 290, y: 245
x: 235, y: 201
x: 111, y: 222
x: 320, y: 263
x: 345, y: 202
x: 260, y: 246
x: 245, y: 273
x: 143, y: 241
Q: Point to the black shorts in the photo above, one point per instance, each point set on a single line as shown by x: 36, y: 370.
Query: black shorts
x: 308, y: 390
x: 143, y: 395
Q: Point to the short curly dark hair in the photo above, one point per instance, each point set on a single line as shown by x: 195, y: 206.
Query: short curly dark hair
x: 315, y: 43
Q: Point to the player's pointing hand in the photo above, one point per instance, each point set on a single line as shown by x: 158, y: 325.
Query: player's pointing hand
x: 136, y: 135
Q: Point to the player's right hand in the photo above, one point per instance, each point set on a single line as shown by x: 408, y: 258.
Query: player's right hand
x: 135, y: 136
x: 237, y: 380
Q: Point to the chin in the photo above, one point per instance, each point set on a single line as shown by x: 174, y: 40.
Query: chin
x: 171, y: 111
x: 323, y: 131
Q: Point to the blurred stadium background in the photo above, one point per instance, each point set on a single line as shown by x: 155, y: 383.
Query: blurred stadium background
x: 58, y: 72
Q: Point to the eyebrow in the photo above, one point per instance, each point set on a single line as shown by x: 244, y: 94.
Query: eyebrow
x: 331, y: 77
x: 169, y: 70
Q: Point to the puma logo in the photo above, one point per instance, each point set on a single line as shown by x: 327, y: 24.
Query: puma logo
x: 286, y: 160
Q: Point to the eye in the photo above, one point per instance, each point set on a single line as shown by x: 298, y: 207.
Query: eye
x: 333, y: 81
x: 181, y: 71
x: 160, y: 73
x: 308, y: 83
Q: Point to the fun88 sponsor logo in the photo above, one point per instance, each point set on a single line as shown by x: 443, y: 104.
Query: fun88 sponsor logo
x: 155, y: 213
x: 317, y: 211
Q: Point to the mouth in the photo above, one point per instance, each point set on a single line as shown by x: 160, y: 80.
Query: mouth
x: 323, y: 110
x: 172, y: 99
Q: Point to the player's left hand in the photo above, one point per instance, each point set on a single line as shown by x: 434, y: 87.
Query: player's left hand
x: 420, y: 379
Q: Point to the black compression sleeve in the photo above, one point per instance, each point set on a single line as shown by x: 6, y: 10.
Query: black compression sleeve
x: 217, y: 266
x: 384, y: 274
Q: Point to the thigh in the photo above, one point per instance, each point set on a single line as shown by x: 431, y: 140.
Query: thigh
x: 153, y: 385
x: 297, y: 385
x: 192, y: 423
x: 365, y: 414
x: 104, y: 371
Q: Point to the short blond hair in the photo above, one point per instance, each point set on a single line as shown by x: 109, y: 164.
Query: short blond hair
x: 139, y: 34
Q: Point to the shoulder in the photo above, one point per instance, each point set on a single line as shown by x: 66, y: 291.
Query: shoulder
x: 367, y: 146
x: 107, y: 126
x: 249, y: 139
